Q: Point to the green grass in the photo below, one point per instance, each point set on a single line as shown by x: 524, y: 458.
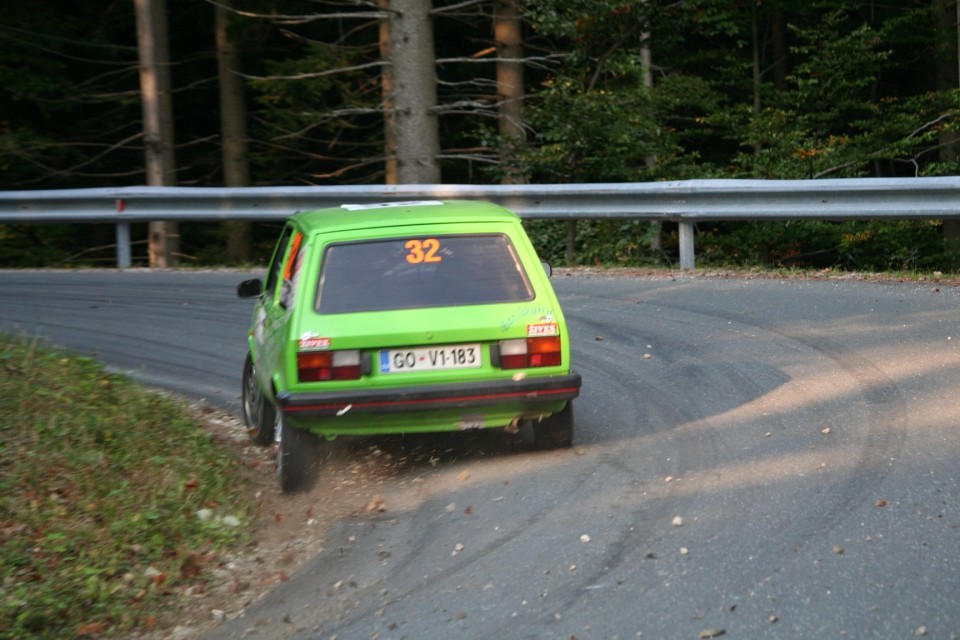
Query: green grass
x: 100, y: 485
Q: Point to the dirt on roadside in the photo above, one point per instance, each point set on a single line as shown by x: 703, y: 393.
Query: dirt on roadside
x: 287, y: 530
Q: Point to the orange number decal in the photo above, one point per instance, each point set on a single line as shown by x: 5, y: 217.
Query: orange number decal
x: 423, y: 251
x: 416, y: 251
x: 432, y: 245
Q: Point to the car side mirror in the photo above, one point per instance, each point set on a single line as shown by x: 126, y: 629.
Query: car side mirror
x: 547, y: 267
x: 250, y: 288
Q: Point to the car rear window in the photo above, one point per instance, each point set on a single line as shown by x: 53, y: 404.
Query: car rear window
x: 422, y: 271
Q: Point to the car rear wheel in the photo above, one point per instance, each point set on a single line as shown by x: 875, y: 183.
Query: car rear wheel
x: 298, y: 463
x: 258, y: 414
x: 556, y: 431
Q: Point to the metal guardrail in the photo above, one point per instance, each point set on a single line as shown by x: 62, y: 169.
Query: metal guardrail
x: 684, y: 202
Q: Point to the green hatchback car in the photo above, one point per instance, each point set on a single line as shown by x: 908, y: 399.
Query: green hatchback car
x: 403, y: 317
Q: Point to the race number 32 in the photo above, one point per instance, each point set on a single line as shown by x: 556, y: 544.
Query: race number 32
x: 420, y: 251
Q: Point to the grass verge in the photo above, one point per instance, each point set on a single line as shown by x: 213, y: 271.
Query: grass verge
x: 111, y: 499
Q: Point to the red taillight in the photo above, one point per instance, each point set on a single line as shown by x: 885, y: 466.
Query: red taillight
x: 319, y: 366
x: 530, y: 352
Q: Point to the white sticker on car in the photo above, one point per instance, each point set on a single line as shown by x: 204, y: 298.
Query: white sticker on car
x: 386, y: 205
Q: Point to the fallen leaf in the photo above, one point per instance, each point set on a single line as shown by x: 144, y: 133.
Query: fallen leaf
x: 190, y: 567
x: 377, y: 503
x: 193, y: 483
x: 91, y: 629
x: 880, y: 503
x: 238, y: 586
x: 712, y: 633
x: 468, y: 510
x: 463, y: 476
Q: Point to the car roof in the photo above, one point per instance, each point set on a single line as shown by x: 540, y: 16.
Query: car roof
x: 392, y: 214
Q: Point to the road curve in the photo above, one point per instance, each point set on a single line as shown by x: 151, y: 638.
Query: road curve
x: 757, y: 458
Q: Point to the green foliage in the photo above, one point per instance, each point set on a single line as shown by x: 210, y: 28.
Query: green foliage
x: 100, y: 484
x: 800, y: 243
x: 902, y: 245
x: 781, y: 89
x: 611, y: 243
x: 590, y: 136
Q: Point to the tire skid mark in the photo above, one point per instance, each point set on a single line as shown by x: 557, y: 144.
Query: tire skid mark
x: 883, y: 441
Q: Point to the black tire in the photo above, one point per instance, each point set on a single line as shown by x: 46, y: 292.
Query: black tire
x: 298, y: 461
x: 259, y: 415
x: 556, y: 431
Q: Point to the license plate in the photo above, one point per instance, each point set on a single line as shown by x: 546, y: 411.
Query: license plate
x: 454, y: 356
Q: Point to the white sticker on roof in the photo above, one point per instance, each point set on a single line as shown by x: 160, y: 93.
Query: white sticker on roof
x: 386, y: 205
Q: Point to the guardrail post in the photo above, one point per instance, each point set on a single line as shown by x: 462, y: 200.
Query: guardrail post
x: 123, y: 245
x: 687, y: 255
x: 124, y: 259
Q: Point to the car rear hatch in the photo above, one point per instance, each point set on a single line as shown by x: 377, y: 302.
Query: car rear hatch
x: 442, y: 344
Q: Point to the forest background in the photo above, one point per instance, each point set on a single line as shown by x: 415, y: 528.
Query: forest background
x: 315, y: 92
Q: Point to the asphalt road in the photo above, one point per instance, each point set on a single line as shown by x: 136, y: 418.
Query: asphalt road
x: 754, y: 458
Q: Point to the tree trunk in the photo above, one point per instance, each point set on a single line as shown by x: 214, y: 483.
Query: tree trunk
x: 387, y: 89
x: 233, y: 127
x: 508, y: 35
x: 656, y: 227
x: 948, y: 78
x: 757, y: 73
x: 415, y: 92
x: 164, y: 239
x: 781, y: 57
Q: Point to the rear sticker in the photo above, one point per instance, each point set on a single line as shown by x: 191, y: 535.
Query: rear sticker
x: 543, y: 329
x: 309, y: 341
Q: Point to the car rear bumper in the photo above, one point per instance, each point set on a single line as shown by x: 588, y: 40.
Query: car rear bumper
x: 530, y: 392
